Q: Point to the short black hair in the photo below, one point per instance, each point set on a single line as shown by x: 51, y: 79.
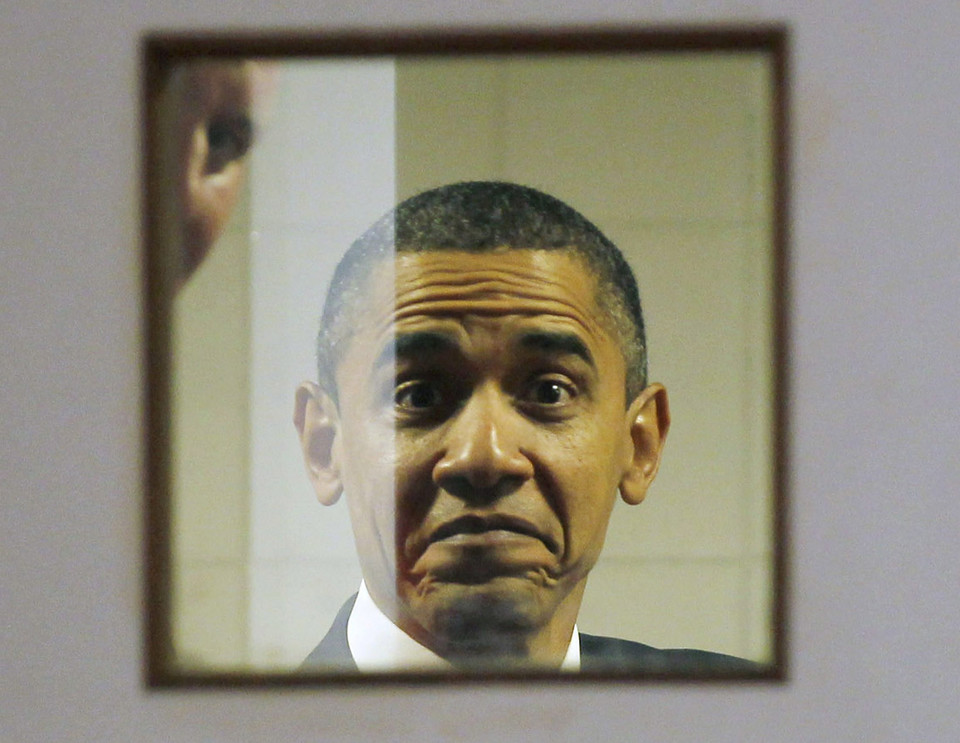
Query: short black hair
x: 479, y: 217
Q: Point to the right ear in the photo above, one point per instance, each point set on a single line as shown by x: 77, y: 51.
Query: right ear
x: 318, y: 423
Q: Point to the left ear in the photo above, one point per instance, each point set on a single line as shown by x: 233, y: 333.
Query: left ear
x: 649, y: 420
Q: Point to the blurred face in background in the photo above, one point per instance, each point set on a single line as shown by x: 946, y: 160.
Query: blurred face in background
x: 214, y: 103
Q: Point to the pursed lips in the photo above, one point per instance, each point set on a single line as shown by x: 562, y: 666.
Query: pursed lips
x: 489, y: 522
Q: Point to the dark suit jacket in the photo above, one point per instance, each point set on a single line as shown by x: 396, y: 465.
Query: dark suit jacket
x: 597, y: 654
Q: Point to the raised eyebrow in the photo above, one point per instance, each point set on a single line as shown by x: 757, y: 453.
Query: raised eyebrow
x: 556, y: 342
x: 414, y: 344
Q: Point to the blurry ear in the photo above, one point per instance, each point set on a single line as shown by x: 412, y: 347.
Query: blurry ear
x: 649, y: 420
x: 318, y: 423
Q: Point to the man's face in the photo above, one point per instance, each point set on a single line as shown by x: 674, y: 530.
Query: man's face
x: 483, y: 434
x: 215, y: 120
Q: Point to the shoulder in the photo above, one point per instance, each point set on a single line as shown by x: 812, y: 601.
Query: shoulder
x: 333, y: 652
x: 613, y: 654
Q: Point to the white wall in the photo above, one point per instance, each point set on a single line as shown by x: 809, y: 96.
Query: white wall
x: 321, y: 174
x: 874, y: 435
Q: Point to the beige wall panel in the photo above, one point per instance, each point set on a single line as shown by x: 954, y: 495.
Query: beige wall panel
x: 759, y: 391
x: 448, y: 130
x: 210, y: 615
x: 758, y: 608
x: 668, y: 603
x: 717, y: 372
x: 210, y: 436
x: 668, y: 141
x: 210, y: 440
x: 759, y: 87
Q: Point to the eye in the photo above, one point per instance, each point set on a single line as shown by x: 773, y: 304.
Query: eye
x: 417, y: 395
x: 550, y: 392
x: 228, y: 138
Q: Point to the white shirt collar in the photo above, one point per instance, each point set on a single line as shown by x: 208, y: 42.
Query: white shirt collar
x: 377, y: 644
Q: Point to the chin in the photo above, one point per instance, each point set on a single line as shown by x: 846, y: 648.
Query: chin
x: 494, y: 619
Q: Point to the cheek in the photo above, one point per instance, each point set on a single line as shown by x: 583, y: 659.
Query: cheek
x: 207, y: 198
x: 413, y: 483
x: 211, y: 196
x: 589, y: 502
x: 587, y: 529
x: 368, y: 489
x: 585, y: 471
x: 368, y: 472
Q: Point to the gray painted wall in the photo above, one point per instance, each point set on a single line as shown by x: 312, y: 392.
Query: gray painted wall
x: 874, y: 436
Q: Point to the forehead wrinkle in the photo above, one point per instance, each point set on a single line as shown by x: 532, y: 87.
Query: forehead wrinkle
x: 458, y: 273
x: 454, y: 285
x: 462, y: 293
x: 506, y: 305
x: 520, y: 274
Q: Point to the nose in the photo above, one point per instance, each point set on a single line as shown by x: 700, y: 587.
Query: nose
x: 483, y: 456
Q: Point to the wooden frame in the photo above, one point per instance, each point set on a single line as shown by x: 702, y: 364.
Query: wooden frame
x: 162, y: 52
